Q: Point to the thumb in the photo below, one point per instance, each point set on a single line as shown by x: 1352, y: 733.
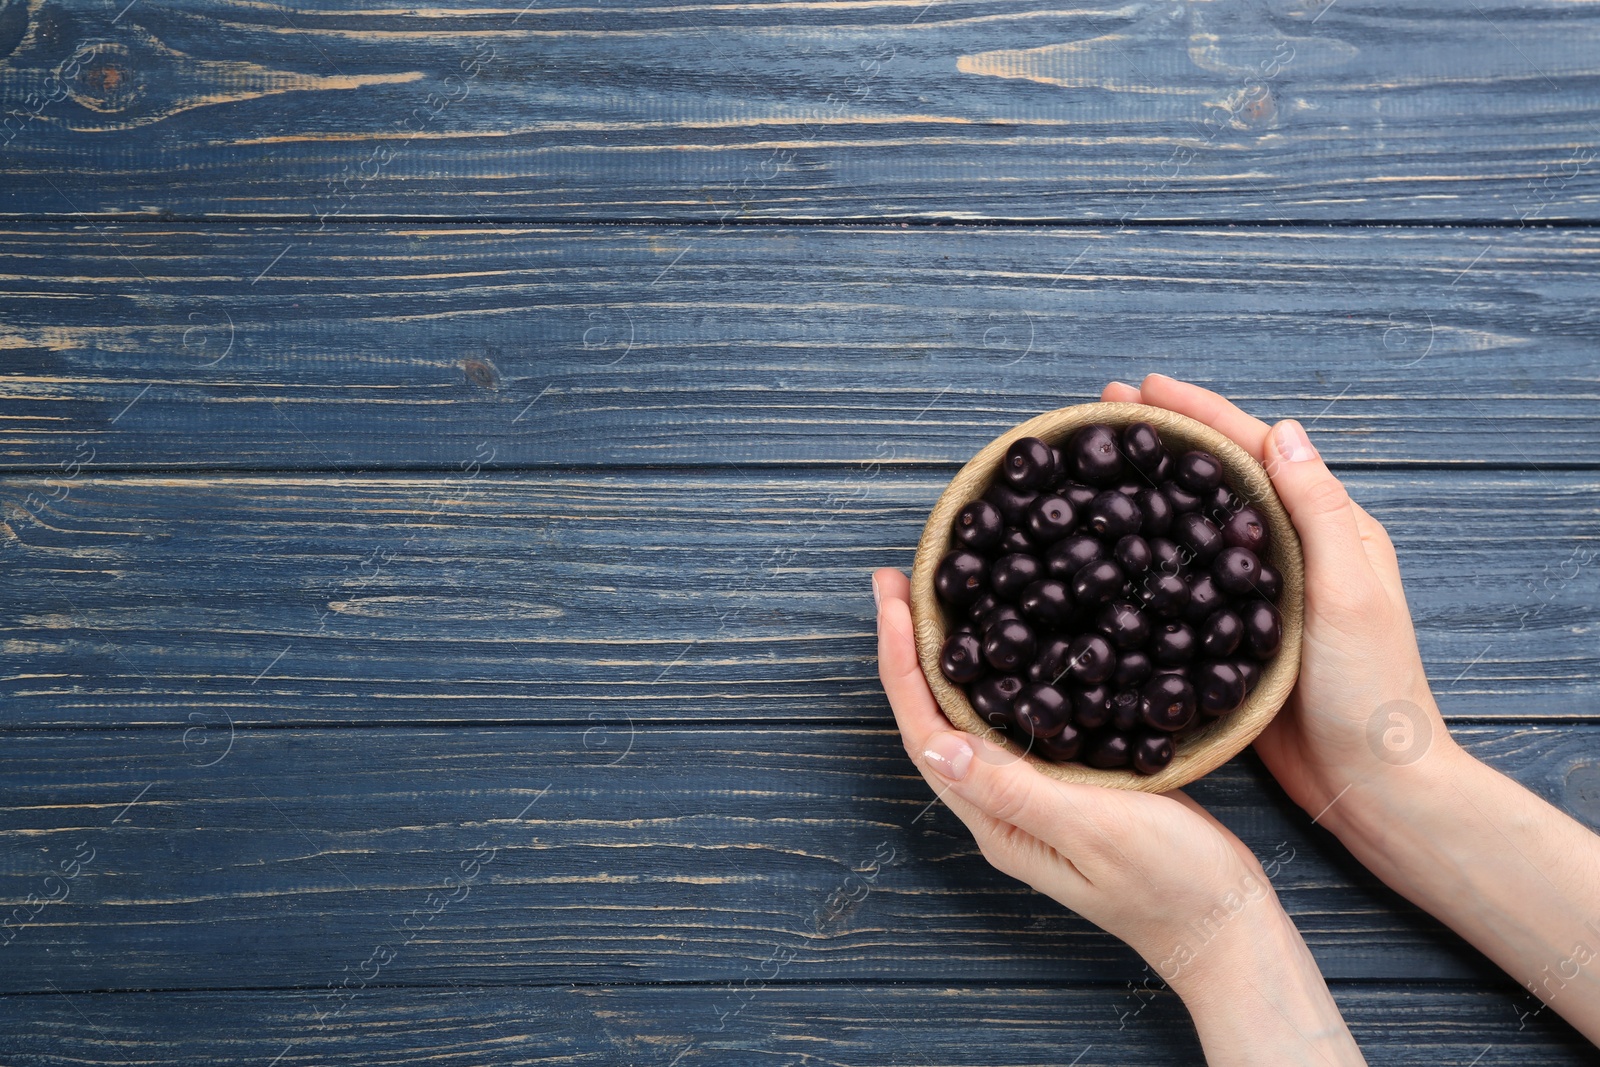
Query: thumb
x: 1079, y: 820
x: 1317, y: 502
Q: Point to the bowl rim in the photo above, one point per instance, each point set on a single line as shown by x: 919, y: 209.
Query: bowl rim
x: 1218, y: 741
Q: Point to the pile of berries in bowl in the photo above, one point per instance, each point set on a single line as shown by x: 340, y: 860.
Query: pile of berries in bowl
x: 1113, y: 592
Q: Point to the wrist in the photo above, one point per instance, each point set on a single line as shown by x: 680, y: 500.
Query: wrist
x: 1257, y: 996
x: 1191, y: 953
x: 1505, y: 869
x: 1391, y: 810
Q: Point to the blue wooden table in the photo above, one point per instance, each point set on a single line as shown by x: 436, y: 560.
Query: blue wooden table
x: 443, y: 449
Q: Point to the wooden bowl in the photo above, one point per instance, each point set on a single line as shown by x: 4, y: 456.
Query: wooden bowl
x: 1218, y: 741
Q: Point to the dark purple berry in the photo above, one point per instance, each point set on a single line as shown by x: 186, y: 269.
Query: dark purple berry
x: 961, y: 659
x: 1218, y: 686
x: 1016, y: 539
x: 1108, y: 751
x: 1091, y: 707
x: 1246, y: 528
x: 1166, y: 595
x: 1236, y: 571
x: 992, y: 698
x: 1003, y: 613
x: 1204, y: 598
x: 1165, y: 556
x: 1090, y: 660
x: 1155, y: 511
x: 979, y: 525
x: 1013, y: 503
x: 1200, y: 536
x: 1269, y: 583
x: 1133, y: 669
x: 1220, y: 634
x: 1050, y: 519
x: 962, y: 577
x: 1011, y: 574
x: 1047, y: 602
x: 1009, y: 645
x: 1220, y: 503
x: 1129, y: 488
x: 1172, y: 644
x: 1125, y: 711
x: 1113, y: 515
x: 1168, y: 703
x: 1064, y: 745
x: 1263, y: 629
x: 1050, y: 663
x: 1080, y: 496
x: 1132, y: 554
x: 981, y: 607
x: 1141, y: 446
x: 1152, y: 752
x: 1070, y: 555
x: 1198, y: 472
x: 1041, y: 710
x: 1163, y: 471
x: 1183, y: 502
x: 1094, y: 455
x: 1058, y: 464
x: 1123, y: 624
x: 1029, y: 463
x: 1249, y: 670
x: 1097, y: 583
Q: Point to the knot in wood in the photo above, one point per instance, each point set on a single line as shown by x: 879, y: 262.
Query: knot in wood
x: 481, y: 372
x: 101, y: 76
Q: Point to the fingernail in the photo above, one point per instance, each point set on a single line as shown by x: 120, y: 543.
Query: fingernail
x: 1122, y: 385
x: 1158, y: 374
x: 949, y: 754
x: 1293, y: 444
x: 877, y: 601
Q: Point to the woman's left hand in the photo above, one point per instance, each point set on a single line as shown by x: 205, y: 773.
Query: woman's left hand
x: 1148, y: 868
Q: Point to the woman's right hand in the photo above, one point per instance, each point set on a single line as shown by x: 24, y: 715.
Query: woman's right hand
x: 1361, y: 706
x: 1504, y: 868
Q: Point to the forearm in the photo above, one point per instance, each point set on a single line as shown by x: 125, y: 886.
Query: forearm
x: 1257, y: 996
x: 1513, y: 875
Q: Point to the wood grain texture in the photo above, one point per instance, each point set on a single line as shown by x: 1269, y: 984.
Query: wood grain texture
x: 369, y: 347
x: 862, y: 1024
x: 1266, y: 109
x: 540, y: 597
x: 518, y: 856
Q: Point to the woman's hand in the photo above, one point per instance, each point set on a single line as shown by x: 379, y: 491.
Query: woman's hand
x: 1158, y: 871
x: 1362, y: 706
x: 1503, y: 867
x: 1142, y: 866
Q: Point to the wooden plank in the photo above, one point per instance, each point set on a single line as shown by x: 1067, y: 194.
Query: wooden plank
x: 350, y: 349
x: 1300, y: 109
x: 711, y: 596
x: 492, y: 856
x: 863, y: 1023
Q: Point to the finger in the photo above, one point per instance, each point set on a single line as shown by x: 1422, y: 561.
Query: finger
x: 1120, y: 393
x: 915, y: 710
x: 1322, y: 511
x: 1202, y: 405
